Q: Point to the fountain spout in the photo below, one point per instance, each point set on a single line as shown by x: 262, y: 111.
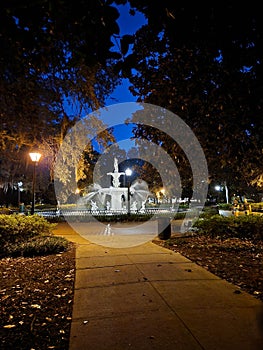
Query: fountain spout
x: 116, y: 174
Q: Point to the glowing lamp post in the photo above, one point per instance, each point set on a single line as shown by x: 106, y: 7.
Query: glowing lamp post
x: 19, y: 190
x: 35, y: 156
x: 221, y: 188
x: 128, y: 173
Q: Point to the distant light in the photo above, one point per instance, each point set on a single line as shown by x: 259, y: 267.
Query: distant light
x: 218, y: 188
x: 35, y: 156
x: 128, y: 172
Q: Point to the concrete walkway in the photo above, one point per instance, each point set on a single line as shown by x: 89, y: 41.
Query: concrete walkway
x: 147, y: 297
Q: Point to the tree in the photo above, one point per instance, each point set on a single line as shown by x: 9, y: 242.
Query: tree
x: 56, y: 66
x: 205, y: 65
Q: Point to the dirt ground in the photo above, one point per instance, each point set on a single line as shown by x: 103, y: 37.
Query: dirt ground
x: 237, y: 261
x: 36, y: 301
x: 37, y: 293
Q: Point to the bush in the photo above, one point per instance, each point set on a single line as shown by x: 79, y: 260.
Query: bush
x: 5, y: 211
x: 133, y: 217
x: 28, y: 236
x: 225, y: 206
x: 41, y: 245
x: 15, y: 228
x: 209, y: 211
x: 257, y: 206
x: 244, y: 227
x: 250, y: 226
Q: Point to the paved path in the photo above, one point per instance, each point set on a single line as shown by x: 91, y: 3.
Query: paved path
x: 150, y: 298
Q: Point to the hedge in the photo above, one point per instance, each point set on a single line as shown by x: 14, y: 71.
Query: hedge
x: 28, y: 236
x: 244, y: 227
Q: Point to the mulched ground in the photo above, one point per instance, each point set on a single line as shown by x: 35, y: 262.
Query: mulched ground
x: 37, y: 293
x: 36, y: 301
x: 237, y: 261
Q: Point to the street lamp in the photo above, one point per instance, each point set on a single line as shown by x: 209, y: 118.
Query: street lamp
x: 35, y: 156
x: 128, y: 173
x: 19, y: 190
x: 221, y: 188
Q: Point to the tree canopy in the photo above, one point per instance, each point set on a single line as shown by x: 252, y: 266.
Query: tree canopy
x: 56, y: 65
x: 205, y: 63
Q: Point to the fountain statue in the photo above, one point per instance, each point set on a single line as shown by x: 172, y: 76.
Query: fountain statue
x: 113, y: 198
x: 116, y: 175
x: 93, y: 205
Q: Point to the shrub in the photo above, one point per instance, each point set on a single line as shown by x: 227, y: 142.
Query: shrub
x: 28, y: 236
x: 249, y: 226
x: 5, y: 211
x: 209, y: 211
x: 133, y: 217
x: 244, y: 227
x: 225, y: 206
x: 257, y: 206
x: 41, y: 245
x: 15, y: 228
x: 213, y: 226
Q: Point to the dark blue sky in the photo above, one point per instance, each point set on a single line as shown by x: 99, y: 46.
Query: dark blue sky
x: 128, y: 25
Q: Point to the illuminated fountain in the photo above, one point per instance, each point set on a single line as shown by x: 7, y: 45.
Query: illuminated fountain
x: 115, y: 198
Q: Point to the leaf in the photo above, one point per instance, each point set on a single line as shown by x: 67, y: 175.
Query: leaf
x: 115, y: 55
x: 125, y: 42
